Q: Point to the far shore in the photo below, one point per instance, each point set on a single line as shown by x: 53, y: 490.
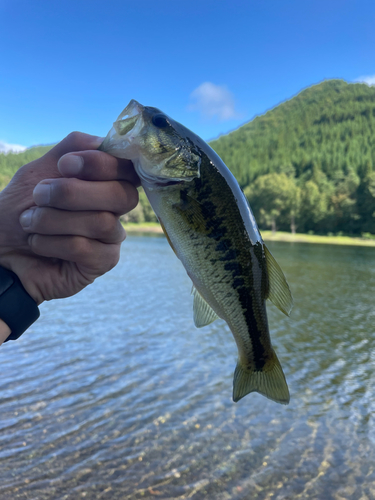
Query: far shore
x: 154, y: 227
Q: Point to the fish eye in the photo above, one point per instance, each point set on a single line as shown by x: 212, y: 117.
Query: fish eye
x: 159, y: 120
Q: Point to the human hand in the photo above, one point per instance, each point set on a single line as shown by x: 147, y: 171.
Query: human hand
x: 70, y: 232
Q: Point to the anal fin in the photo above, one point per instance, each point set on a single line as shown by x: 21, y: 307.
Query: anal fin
x: 279, y: 292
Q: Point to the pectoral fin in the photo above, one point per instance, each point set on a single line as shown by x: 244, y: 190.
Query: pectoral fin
x: 166, y: 235
x: 279, y: 292
x: 203, y: 313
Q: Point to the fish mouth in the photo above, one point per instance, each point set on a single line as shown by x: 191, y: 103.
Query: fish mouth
x: 134, y: 108
x: 125, y: 129
x: 154, y: 181
x: 128, y: 123
x: 160, y: 182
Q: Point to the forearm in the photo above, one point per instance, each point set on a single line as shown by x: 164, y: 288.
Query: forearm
x: 4, y: 331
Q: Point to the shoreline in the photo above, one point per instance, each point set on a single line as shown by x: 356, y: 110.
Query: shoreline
x: 154, y: 228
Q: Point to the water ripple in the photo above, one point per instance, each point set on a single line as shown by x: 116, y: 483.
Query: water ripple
x: 114, y: 394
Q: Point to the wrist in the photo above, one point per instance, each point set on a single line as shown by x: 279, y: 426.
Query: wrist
x: 18, y: 310
x: 16, y: 262
x: 5, y: 331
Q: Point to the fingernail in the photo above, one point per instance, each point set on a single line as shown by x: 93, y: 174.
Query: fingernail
x: 26, y: 218
x: 97, y: 139
x: 70, y: 165
x: 42, y: 194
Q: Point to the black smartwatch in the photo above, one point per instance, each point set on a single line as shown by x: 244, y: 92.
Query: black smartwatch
x: 17, y: 309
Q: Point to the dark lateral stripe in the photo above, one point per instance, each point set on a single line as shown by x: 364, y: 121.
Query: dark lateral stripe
x: 248, y: 305
x: 246, y: 298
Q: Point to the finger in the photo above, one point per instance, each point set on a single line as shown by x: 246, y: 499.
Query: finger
x: 74, y: 194
x: 102, y: 226
x: 95, y: 257
x: 46, y: 166
x: 75, y: 141
x: 97, y: 166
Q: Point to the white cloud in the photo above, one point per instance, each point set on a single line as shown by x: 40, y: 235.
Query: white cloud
x: 213, y: 101
x: 7, y: 148
x: 370, y: 79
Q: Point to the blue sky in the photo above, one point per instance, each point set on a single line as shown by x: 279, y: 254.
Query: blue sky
x: 212, y: 65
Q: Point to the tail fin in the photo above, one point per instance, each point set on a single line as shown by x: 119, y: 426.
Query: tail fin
x: 269, y: 382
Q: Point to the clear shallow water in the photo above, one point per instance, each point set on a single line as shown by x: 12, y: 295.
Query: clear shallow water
x: 114, y: 394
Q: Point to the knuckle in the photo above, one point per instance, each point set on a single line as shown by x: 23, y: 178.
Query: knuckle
x: 113, y: 257
x: 81, y: 248
x: 130, y: 198
x: 108, y: 223
x: 134, y: 198
x: 105, y: 260
x: 107, y: 226
x: 74, y: 139
x: 63, y: 191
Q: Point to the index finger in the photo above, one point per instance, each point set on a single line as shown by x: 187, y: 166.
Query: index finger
x: 94, y: 165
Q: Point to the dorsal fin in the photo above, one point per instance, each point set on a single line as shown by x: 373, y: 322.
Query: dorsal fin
x: 279, y: 292
x: 203, y: 312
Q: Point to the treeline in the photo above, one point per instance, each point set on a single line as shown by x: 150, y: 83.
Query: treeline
x: 309, y: 162
x: 306, y: 165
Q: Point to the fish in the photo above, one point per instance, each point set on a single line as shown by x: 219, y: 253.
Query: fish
x: 210, y: 226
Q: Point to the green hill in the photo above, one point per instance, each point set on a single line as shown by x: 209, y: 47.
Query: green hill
x: 310, y: 160
x: 307, y: 164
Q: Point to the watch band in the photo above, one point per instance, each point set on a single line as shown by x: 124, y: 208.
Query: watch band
x: 17, y: 309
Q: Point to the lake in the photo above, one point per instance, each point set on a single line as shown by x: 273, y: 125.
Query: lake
x: 114, y: 394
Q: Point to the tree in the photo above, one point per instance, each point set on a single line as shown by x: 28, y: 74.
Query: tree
x: 313, y: 206
x: 366, y: 203
x: 274, y: 198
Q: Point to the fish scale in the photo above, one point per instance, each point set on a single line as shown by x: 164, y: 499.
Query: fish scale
x: 209, y: 225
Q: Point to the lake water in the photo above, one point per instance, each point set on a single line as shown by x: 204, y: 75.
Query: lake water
x: 114, y: 394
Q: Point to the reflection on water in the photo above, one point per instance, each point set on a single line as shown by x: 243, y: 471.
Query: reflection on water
x: 114, y: 394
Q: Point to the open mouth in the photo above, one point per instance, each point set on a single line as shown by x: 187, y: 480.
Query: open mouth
x: 167, y: 183
x: 128, y: 119
x: 125, y: 129
x: 134, y: 108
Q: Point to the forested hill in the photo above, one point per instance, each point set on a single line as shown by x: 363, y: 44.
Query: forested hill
x: 11, y: 162
x: 310, y: 160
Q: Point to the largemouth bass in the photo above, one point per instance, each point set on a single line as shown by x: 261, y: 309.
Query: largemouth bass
x: 210, y: 226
